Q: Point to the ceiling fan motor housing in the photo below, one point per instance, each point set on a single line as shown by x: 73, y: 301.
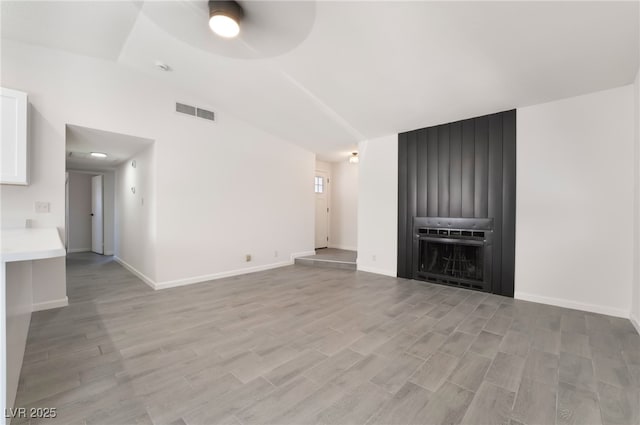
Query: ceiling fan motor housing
x: 228, y: 8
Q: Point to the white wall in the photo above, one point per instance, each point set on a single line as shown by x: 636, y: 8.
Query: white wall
x: 224, y: 189
x: 574, y: 211
x: 79, y: 212
x: 108, y: 194
x: 378, y: 205
x: 344, y: 206
x: 135, y: 194
x: 635, y: 298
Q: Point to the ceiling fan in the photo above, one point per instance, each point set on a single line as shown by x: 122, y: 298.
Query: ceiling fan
x: 245, y: 29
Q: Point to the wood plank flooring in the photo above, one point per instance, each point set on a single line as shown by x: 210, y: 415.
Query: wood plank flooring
x: 299, y: 345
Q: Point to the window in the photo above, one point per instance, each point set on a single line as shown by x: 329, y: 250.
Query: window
x: 319, y: 184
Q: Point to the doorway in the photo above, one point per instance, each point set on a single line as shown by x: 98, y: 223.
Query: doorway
x: 89, y: 211
x: 321, y: 189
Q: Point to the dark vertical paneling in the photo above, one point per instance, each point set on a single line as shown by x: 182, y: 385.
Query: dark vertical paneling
x: 495, y: 194
x: 432, y: 171
x: 468, y: 167
x: 508, y: 202
x: 481, y: 180
x: 402, y: 204
x: 412, y: 180
x: 462, y: 169
x: 422, y: 172
x: 455, y: 169
x: 443, y: 171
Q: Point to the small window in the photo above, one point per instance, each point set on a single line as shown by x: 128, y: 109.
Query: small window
x: 319, y: 184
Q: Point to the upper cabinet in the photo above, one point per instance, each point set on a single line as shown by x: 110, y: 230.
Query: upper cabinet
x: 13, y: 125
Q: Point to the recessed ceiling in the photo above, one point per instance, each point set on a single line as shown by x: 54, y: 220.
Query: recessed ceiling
x: 364, y: 69
x: 81, y: 141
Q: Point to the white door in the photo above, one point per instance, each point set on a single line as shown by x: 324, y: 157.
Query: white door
x: 321, y: 183
x: 97, y: 229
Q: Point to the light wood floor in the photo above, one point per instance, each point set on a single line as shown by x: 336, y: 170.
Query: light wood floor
x: 299, y: 345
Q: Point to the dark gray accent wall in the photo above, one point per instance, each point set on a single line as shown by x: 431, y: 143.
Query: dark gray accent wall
x: 462, y: 169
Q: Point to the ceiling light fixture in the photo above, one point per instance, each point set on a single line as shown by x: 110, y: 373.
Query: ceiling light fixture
x: 98, y: 155
x: 354, y: 159
x: 224, y: 18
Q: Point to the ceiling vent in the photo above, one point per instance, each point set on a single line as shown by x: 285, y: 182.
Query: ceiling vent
x: 207, y: 115
x: 195, y: 112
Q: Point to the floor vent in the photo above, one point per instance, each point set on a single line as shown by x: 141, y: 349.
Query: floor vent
x: 195, y: 112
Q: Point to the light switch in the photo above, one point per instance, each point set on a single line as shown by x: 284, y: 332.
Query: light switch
x: 42, y: 207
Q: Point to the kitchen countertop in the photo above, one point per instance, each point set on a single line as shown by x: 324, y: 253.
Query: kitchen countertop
x: 30, y: 244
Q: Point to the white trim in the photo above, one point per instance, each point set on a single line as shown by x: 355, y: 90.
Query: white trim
x: 610, y: 311
x: 206, y: 278
x: 635, y: 322
x: 295, y: 255
x: 376, y: 271
x: 108, y: 253
x: 221, y: 275
x: 47, y: 305
x: 74, y: 250
x: 136, y: 272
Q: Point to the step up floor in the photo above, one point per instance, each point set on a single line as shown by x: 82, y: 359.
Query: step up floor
x: 330, y: 258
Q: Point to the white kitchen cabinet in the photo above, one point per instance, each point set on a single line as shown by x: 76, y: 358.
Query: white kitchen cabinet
x: 13, y: 128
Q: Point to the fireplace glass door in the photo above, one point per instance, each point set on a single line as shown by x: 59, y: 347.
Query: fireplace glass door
x: 457, y: 259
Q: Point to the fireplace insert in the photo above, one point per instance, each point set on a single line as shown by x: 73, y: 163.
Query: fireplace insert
x: 453, y: 251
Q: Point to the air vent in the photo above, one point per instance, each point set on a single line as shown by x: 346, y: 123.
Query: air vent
x: 195, y: 111
x: 186, y: 109
x: 207, y: 115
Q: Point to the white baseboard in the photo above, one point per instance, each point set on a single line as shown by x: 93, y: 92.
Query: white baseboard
x: 108, y: 253
x: 74, y: 250
x: 221, y: 275
x: 635, y: 322
x: 558, y: 302
x: 136, y: 272
x: 47, y: 305
x: 295, y: 255
x: 205, y: 278
x: 368, y: 269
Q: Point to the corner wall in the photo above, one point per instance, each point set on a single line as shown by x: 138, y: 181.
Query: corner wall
x: 574, y: 219
x: 135, y: 200
x: 635, y: 298
x: 378, y: 205
x: 344, y: 206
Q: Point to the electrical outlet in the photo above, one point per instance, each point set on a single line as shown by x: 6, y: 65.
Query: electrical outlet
x: 373, y: 258
x: 248, y: 257
x: 42, y: 207
x: 275, y: 254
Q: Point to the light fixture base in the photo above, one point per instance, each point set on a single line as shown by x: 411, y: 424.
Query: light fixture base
x: 224, y: 17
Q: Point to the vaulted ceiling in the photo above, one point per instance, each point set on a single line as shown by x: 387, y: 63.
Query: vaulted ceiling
x: 326, y: 75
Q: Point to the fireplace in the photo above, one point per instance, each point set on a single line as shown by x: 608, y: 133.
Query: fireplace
x: 453, y: 251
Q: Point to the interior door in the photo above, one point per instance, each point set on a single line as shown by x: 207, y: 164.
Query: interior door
x: 97, y: 225
x: 321, y: 183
